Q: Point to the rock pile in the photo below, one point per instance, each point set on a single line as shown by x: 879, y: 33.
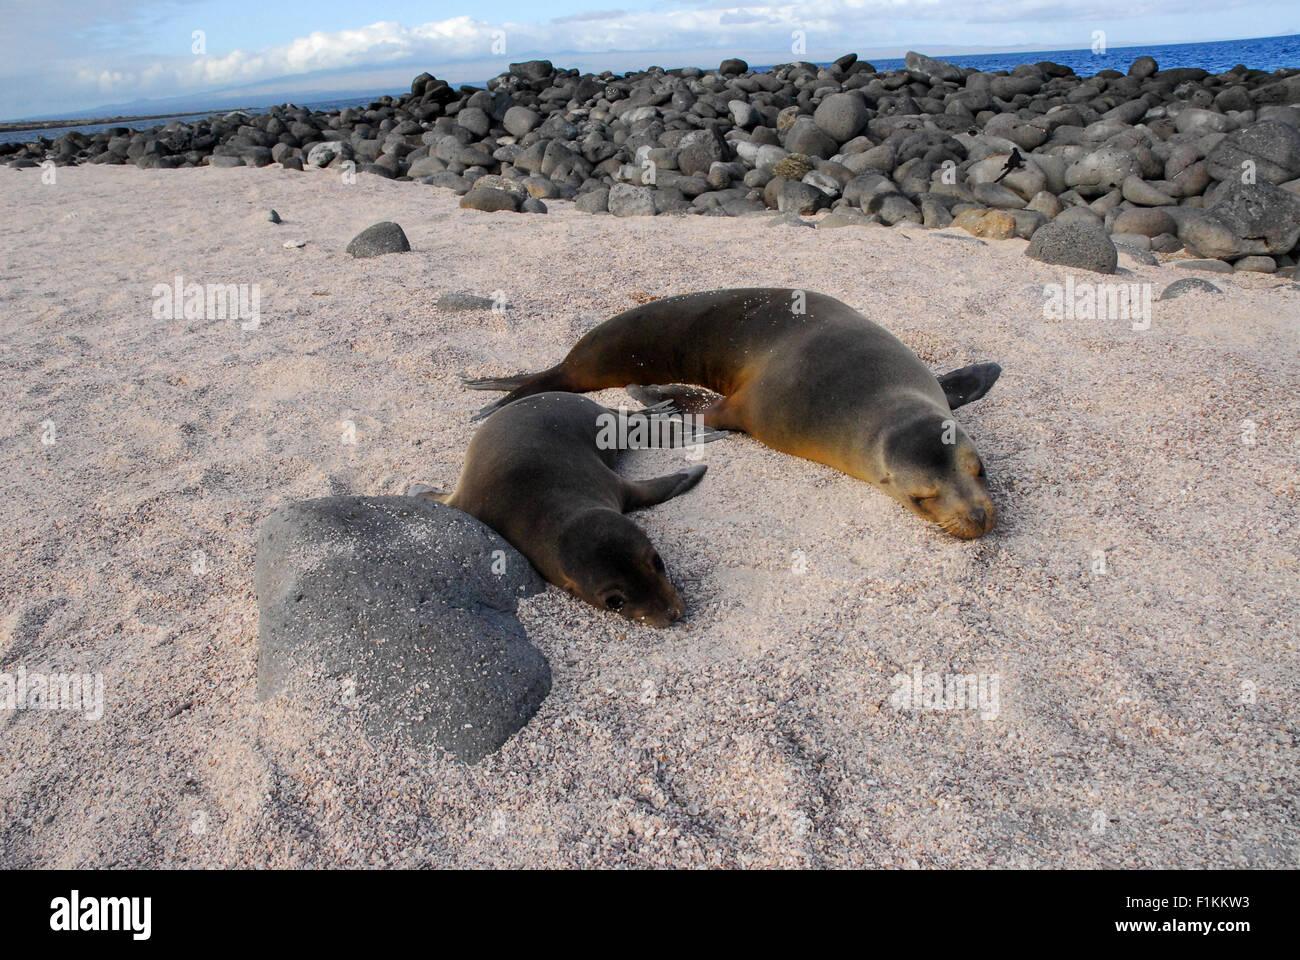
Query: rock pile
x: 1161, y: 159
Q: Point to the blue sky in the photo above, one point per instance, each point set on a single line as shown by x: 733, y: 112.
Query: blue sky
x: 61, y: 56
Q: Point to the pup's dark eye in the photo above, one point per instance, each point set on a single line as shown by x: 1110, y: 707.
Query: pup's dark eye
x: 658, y: 563
x: 615, y: 601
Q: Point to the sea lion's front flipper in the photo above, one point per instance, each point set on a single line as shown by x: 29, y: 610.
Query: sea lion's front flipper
x: 646, y: 493
x: 969, y: 383
x: 426, y: 492
x: 684, y: 397
x: 666, y: 425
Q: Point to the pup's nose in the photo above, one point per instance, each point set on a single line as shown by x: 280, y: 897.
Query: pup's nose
x: 978, y: 515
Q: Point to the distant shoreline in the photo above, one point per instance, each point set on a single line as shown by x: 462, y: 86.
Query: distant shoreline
x: 16, y: 126
x: 1264, y: 53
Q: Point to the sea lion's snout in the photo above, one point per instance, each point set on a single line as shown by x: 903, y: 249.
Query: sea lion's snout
x: 934, y: 470
x: 666, y: 612
x: 657, y: 602
x: 612, y: 565
x: 678, y: 608
x: 977, y: 521
x: 964, y: 508
x: 963, y: 515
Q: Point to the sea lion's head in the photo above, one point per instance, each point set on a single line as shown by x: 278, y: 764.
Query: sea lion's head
x: 931, y: 467
x: 607, y: 561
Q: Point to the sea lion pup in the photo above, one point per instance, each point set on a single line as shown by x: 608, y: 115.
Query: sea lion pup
x: 539, y: 473
x: 804, y: 374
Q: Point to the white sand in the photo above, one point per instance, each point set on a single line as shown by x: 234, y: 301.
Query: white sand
x: 758, y: 731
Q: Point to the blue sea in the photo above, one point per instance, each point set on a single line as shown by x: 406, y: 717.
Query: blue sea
x: 1263, y: 53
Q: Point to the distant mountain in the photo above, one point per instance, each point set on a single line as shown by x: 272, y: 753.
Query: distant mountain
x: 215, y: 102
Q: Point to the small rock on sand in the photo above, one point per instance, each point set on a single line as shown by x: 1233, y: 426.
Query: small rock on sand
x: 383, y: 237
x: 1188, y: 285
x: 464, y: 301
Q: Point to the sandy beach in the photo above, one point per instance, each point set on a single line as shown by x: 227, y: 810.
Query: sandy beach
x: 1137, y: 603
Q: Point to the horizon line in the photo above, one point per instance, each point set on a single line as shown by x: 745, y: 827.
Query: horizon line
x: 973, y: 51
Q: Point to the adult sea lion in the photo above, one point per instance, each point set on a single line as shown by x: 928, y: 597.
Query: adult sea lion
x: 539, y: 473
x: 804, y: 374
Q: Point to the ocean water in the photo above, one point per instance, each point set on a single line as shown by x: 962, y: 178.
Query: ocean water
x: 1263, y: 53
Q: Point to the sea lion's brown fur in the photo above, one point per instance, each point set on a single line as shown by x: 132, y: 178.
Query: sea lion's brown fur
x: 536, y: 474
x: 825, y: 384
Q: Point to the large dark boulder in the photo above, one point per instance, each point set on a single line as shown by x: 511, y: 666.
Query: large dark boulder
x: 1069, y: 244
x: 1188, y: 285
x: 1271, y: 149
x: 534, y: 70
x: 805, y: 137
x: 418, y: 84
x: 931, y: 68
x: 400, y: 610
x: 841, y: 116
x: 1242, y: 220
x: 1143, y: 67
x: 698, y: 151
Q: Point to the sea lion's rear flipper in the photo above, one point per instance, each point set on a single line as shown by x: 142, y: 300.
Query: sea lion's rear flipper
x: 426, y: 492
x: 969, y: 383
x: 686, y: 398
x: 496, y: 383
x: 520, y: 385
x: 646, y: 493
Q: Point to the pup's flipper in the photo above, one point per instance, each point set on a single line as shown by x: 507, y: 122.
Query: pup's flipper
x: 646, y: 493
x: 667, y: 427
x: 426, y: 492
